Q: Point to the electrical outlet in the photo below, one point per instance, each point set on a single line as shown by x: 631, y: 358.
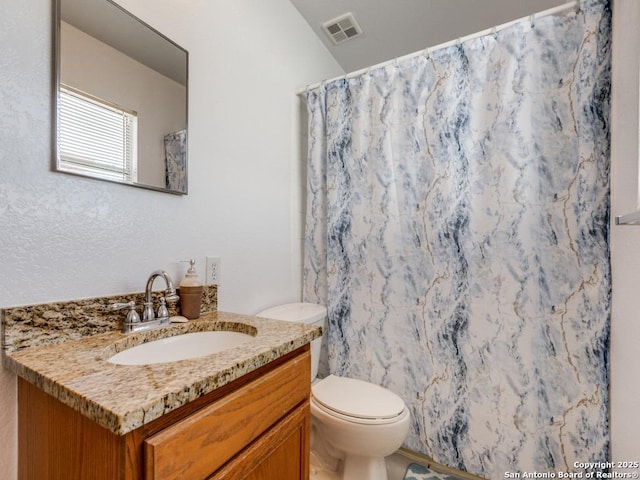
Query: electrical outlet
x: 213, y: 271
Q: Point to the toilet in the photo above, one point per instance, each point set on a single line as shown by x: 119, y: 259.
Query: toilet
x: 354, y: 424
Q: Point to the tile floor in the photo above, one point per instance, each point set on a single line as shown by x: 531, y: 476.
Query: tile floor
x: 396, y: 468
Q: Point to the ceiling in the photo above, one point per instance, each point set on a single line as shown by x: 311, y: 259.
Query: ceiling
x: 393, y: 28
x: 113, y: 25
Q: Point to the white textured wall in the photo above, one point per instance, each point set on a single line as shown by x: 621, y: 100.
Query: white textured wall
x: 65, y: 237
x: 625, y: 240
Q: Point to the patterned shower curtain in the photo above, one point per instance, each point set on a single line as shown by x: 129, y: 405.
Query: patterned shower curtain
x: 457, y: 230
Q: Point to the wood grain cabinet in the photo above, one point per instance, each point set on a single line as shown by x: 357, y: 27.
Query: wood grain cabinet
x: 256, y: 428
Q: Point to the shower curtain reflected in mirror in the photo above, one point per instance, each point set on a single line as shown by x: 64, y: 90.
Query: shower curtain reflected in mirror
x: 457, y: 230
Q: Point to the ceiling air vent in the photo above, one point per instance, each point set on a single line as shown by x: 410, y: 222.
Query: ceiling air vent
x: 342, y: 28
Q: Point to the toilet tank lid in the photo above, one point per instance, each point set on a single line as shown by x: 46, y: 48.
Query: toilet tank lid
x: 296, y: 312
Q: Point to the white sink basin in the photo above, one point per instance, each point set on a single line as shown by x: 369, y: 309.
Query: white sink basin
x: 180, y: 347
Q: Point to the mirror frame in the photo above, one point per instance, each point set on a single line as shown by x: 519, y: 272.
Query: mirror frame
x: 55, y: 87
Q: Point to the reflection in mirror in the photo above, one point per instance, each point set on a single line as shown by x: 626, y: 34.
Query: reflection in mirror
x: 121, y: 98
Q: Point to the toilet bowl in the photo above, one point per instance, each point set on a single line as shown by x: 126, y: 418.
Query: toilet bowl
x: 354, y: 424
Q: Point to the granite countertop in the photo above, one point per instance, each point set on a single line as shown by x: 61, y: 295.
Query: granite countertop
x: 122, y: 398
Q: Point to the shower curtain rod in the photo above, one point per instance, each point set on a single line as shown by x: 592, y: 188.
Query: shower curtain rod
x: 545, y: 13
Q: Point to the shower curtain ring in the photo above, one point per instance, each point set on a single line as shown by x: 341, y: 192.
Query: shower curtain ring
x: 532, y: 19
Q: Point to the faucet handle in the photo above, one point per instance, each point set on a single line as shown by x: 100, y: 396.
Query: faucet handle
x: 132, y: 315
x: 120, y: 306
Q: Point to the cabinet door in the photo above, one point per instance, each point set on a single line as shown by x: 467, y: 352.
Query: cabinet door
x: 280, y: 454
x: 200, y: 444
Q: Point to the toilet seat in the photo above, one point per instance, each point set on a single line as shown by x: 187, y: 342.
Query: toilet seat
x: 357, y: 401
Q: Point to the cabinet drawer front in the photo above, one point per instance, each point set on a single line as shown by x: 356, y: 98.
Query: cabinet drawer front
x: 197, y: 446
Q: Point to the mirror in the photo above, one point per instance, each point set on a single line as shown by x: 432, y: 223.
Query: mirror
x: 120, y: 90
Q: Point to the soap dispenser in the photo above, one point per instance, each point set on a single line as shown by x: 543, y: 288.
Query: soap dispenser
x: 191, y: 293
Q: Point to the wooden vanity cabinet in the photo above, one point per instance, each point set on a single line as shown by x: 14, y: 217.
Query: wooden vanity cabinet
x: 256, y: 428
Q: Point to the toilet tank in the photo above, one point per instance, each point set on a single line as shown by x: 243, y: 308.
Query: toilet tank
x: 309, y: 313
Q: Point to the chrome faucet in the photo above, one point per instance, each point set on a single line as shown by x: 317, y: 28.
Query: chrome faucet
x: 170, y: 295
x: 150, y: 320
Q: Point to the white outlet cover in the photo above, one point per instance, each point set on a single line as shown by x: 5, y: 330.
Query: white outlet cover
x: 213, y: 268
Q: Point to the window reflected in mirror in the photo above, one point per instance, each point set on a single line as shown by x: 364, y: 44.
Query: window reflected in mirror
x: 96, y: 138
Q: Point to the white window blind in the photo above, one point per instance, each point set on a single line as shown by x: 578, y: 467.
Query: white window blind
x: 96, y: 138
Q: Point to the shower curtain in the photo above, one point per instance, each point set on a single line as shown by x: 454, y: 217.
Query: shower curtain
x: 457, y: 230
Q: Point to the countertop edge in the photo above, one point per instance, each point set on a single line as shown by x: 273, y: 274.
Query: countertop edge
x: 123, y: 423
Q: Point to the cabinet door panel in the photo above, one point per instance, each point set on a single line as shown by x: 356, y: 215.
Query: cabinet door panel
x: 282, y: 453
